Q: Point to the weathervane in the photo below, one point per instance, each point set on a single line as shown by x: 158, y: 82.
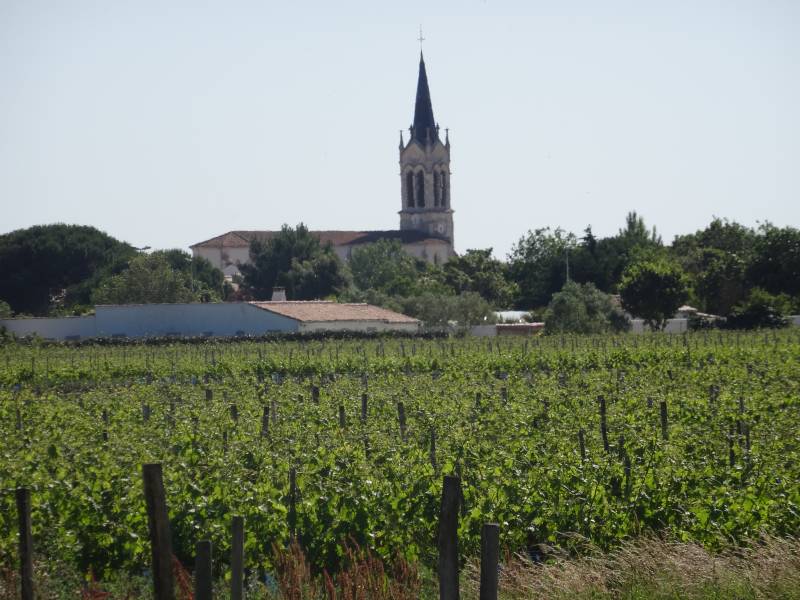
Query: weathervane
x: 420, y: 38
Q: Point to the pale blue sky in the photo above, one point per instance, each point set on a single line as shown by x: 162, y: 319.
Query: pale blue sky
x: 166, y: 123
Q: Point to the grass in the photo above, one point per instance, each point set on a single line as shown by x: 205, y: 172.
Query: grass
x: 644, y: 568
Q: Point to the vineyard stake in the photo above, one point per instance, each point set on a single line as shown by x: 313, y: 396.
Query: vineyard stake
x: 342, y: 417
x: 25, y: 543
x: 448, y: 539
x: 364, y: 407
x: 160, y: 540
x: 293, y: 502
x: 582, y: 444
x: 664, y: 425
x: 202, y: 571
x: 603, y: 423
x: 433, y: 450
x: 237, y: 558
x: 265, y: 422
x: 401, y: 415
x: 490, y: 554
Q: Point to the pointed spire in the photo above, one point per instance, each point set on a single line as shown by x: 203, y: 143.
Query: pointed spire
x: 402, y: 144
x: 424, y: 124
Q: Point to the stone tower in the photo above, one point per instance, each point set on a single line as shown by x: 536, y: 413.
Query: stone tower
x: 425, y: 171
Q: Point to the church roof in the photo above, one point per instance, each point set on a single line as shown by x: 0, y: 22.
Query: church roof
x: 323, y: 310
x: 424, y: 123
x: 242, y: 238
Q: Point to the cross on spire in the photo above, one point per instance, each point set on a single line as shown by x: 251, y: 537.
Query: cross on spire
x: 420, y: 39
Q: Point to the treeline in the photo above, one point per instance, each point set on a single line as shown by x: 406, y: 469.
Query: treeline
x: 751, y: 276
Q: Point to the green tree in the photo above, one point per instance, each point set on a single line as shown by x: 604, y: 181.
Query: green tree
x: 438, y: 310
x: 653, y: 291
x: 776, y: 260
x: 5, y: 310
x: 385, y: 267
x: 582, y: 308
x: 148, y: 279
x: 760, y: 310
x: 50, y: 267
x: 205, y: 279
x: 537, y: 264
x: 296, y: 260
x: 477, y: 271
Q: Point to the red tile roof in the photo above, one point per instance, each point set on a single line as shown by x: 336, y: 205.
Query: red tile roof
x: 321, y: 310
x: 242, y: 239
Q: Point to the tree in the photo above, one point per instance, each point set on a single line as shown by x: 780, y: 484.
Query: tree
x: 537, y: 264
x: 385, y: 267
x: 582, y: 308
x: 776, y: 260
x: 205, y: 279
x: 477, y: 271
x: 296, y: 260
x: 48, y: 267
x: 437, y: 310
x: 148, y: 279
x: 760, y: 310
x: 653, y: 290
x: 5, y: 310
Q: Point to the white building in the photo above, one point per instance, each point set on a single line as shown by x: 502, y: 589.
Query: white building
x: 213, y: 320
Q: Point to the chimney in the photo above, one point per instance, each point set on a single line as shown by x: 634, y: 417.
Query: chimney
x: 278, y: 294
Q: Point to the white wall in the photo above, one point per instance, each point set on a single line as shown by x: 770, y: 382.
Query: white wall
x: 673, y: 326
x: 483, y: 330
x: 56, y: 328
x: 217, y: 319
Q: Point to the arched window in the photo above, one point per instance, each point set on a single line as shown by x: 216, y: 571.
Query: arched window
x: 410, y: 189
x: 444, y: 189
x: 420, y: 191
x: 437, y: 192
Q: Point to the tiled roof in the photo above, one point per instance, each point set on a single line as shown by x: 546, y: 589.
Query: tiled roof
x: 242, y: 239
x: 321, y: 310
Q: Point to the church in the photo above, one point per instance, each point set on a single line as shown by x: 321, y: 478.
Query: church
x: 426, y: 218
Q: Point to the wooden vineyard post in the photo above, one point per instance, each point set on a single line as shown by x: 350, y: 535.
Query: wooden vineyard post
x: 448, y: 539
x: 364, y: 407
x: 401, y: 415
x: 342, y: 417
x: 25, y: 543
x: 234, y: 413
x: 490, y: 555
x: 664, y: 423
x: 432, y: 451
x: 237, y: 558
x: 202, y: 571
x: 160, y: 540
x: 265, y: 422
x: 603, y: 423
x: 315, y: 393
x: 582, y: 444
x: 293, y: 502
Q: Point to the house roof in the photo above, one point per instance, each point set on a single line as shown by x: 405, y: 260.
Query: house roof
x: 242, y: 238
x: 323, y: 310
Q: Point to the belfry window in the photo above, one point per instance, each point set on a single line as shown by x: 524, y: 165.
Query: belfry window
x: 443, y: 191
x: 420, y: 191
x: 437, y: 192
x: 410, y: 189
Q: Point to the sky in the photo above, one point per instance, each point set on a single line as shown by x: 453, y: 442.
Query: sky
x: 167, y: 123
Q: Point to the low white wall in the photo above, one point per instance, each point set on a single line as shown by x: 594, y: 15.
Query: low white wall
x: 215, y: 319
x: 483, y: 331
x: 794, y: 320
x: 364, y: 326
x: 673, y: 326
x: 58, y: 328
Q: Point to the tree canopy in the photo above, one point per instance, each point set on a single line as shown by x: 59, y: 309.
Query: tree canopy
x: 582, y: 308
x: 293, y: 259
x: 653, y: 291
x: 49, y: 267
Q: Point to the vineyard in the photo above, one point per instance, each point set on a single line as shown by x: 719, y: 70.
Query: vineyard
x: 567, y: 443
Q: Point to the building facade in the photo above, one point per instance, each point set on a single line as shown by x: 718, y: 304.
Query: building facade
x: 426, y: 217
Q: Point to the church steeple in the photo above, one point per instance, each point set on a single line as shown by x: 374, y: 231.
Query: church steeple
x: 424, y: 129
x: 425, y: 177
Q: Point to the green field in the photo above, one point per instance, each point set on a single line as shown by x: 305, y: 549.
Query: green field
x: 506, y: 416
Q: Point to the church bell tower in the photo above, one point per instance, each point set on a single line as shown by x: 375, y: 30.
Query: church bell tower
x: 425, y: 171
